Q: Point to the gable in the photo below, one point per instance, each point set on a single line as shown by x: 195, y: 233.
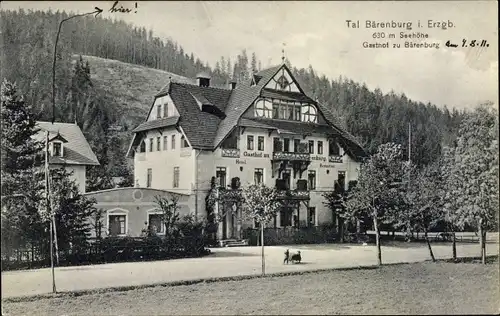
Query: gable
x: 76, y: 150
x: 162, y: 107
x: 284, y: 81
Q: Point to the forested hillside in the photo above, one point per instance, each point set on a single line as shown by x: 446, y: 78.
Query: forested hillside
x: 107, y: 98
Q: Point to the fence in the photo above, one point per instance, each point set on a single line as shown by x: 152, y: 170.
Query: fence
x: 291, y: 235
x: 107, y: 250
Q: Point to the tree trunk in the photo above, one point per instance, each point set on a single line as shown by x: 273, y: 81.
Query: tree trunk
x: 429, y: 245
x: 238, y: 223
x: 262, y: 243
x: 358, y: 229
x: 482, y: 243
x: 341, y: 230
x: 377, y: 240
x: 454, y: 246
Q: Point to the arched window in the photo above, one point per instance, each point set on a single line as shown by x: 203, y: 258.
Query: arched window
x: 309, y: 114
x: 263, y: 108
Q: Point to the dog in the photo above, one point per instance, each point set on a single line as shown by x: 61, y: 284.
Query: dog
x: 296, y: 257
x: 287, y: 257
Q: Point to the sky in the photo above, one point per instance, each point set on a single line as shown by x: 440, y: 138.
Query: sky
x: 316, y: 33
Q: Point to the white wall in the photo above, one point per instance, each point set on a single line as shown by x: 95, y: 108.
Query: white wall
x: 79, y: 174
x: 163, y: 162
x: 165, y: 100
x: 208, y: 161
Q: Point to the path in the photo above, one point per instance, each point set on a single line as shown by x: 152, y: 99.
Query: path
x: 223, y: 262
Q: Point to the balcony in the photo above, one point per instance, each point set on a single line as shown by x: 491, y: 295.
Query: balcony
x: 335, y: 159
x: 291, y: 156
x: 300, y: 193
x: 230, y: 152
x: 294, y: 195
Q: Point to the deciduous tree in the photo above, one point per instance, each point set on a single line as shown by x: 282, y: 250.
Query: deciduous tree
x: 476, y: 167
x: 260, y: 204
x: 378, y: 191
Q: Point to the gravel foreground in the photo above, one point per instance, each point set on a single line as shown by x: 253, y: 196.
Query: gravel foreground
x: 421, y: 288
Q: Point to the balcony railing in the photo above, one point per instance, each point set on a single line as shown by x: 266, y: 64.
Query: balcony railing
x: 335, y: 159
x: 291, y: 156
x: 293, y: 194
x: 230, y: 152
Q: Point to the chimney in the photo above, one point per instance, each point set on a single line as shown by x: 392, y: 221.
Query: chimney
x: 232, y: 84
x: 203, y: 79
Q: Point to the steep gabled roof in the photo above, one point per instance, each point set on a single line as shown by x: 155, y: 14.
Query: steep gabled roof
x: 207, y: 129
x: 77, y: 150
x: 241, y: 98
x: 200, y: 127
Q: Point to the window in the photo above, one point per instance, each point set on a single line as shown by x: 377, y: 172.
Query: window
x: 320, y: 147
x: 184, y: 142
x: 296, y: 145
x: 176, y: 177
x: 309, y: 114
x: 155, y: 223
x: 158, y: 111
x: 283, y: 82
x: 286, y: 217
x: 311, y: 177
x: 259, y: 176
x: 57, y: 149
x: 231, y: 142
x: 149, y: 178
x: 158, y: 143
x: 277, y: 144
x: 311, y: 146
x: 297, y: 113
x: 116, y: 225
x: 249, y: 142
x: 150, y: 144
x: 287, y: 176
x: 311, y: 216
x: 286, y: 145
x: 172, y: 143
x: 165, y: 110
x: 220, y: 174
x: 333, y: 148
x: 276, y: 111
x: 260, y: 143
x: 165, y: 142
x: 341, y: 179
x: 263, y: 108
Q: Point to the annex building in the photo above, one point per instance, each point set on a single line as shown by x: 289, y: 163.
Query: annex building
x: 264, y: 130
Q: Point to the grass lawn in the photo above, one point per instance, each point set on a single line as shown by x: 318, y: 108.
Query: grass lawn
x: 422, y: 288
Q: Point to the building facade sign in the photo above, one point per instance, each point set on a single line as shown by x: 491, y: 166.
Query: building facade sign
x: 318, y: 158
x: 255, y: 155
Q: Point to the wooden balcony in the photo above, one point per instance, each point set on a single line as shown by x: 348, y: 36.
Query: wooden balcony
x: 335, y: 159
x: 230, y: 152
x: 291, y: 156
x: 294, y: 195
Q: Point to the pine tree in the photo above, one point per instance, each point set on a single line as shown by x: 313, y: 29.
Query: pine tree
x: 72, y: 211
x: 21, y: 179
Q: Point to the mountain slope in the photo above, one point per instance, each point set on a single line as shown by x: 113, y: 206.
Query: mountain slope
x: 129, y: 89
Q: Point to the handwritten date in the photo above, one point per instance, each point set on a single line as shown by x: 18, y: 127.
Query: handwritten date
x: 469, y: 43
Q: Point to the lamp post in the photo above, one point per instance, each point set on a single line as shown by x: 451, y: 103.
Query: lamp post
x: 53, y: 235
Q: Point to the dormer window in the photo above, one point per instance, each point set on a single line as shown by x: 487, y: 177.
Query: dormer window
x: 158, y: 111
x: 57, y: 149
x: 165, y: 110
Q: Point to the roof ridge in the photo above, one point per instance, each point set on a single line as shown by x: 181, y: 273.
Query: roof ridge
x: 193, y: 85
x: 48, y: 122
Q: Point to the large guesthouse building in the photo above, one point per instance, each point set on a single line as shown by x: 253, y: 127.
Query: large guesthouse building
x: 263, y: 130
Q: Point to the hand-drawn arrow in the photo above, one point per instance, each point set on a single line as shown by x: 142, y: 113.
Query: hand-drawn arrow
x: 97, y: 11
